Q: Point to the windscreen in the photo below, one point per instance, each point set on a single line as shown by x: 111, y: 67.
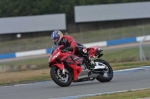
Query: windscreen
x: 54, y: 47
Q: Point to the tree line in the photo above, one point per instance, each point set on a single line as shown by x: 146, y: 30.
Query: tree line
x: 11, y: 8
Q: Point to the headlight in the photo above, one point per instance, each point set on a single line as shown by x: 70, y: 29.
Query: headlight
x: 55, y: 56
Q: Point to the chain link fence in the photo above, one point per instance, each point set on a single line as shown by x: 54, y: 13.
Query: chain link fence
x: 144, y: 50
x: 111, y: 34
x: 82, y: 37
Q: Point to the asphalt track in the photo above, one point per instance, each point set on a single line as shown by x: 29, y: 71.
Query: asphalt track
x: 124, y: 80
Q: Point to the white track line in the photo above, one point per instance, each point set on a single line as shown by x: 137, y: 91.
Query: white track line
x: 79, y: 96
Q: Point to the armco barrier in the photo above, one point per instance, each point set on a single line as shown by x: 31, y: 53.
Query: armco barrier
x: 29, y: 53
x: 8, y: 55
x: 103, y: 43
x: 121, y: 41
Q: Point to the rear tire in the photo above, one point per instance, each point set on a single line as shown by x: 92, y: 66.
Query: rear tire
x: 57, y: 79
x: 101, y: 76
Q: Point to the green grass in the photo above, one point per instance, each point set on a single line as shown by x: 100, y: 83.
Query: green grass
x: 34, y: 61
x: 83, y: 37
x: 122, y: 55
x: 43, y: 74
x: 123, y: 95
x: 26, y: 80
x: 113, y: 56
x: 118, y: 59
x: 126, y: 65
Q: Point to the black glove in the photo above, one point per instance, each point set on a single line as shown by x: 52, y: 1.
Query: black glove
x: 69, y: 49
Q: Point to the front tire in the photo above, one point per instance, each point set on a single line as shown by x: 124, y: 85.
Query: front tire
x: 60, y: 79
x: 101, y: 77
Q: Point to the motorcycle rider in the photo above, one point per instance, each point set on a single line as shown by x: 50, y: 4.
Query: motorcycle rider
x: 70, y: 44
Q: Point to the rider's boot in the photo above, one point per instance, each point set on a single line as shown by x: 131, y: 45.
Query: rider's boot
x: 91, y: 63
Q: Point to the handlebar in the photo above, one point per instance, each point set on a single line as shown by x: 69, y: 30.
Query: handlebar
x: 64, y: 51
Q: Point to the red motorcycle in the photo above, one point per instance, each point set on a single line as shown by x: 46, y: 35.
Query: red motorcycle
x: 67, y: 67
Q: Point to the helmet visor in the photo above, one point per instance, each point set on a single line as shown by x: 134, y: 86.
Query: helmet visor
x: 55, y: 40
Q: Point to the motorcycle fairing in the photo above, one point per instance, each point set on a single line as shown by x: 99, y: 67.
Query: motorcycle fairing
x: 73, y: 59
x: 76, y: 71
x: 92, y: 51
x: 60, y: 66
x: 75, y: 63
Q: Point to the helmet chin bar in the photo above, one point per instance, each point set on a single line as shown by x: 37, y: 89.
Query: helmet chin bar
x: 58, y: 40
x: 55, y: 40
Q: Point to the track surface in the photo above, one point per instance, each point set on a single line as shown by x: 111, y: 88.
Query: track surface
x: 123, y: 80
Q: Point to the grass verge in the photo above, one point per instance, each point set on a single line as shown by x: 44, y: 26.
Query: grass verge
x: 24, y: 76
x: 123, y: 95
x: 127, y: 54
x: 43, y: 74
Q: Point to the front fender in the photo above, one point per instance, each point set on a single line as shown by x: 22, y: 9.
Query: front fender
x: 60, y: 66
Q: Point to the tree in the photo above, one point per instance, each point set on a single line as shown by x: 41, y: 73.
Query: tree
x: 10, y: 8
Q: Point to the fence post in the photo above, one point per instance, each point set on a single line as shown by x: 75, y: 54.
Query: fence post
x: 142, y: 55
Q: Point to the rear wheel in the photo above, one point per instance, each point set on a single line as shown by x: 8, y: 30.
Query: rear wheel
x: 107, y: 74
x: 60, y: 78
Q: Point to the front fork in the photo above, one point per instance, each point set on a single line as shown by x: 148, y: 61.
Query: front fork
x: 63, y: 71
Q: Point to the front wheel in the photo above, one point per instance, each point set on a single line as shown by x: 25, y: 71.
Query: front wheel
x: 107, y: 74
x: 59, y: 78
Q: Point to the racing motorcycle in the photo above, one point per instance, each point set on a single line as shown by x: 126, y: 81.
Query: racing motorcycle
x: 67, y: 67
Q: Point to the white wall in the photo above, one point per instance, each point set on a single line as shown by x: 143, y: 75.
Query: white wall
x: 32, y: 23
x: 107, y: 12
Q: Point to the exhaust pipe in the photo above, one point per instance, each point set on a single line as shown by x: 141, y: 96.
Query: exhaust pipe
x: 93, y: 75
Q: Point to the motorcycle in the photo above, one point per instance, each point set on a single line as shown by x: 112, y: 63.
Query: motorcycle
x: 67, y: 67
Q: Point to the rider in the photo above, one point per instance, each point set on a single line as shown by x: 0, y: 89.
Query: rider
x: 70, y: 44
